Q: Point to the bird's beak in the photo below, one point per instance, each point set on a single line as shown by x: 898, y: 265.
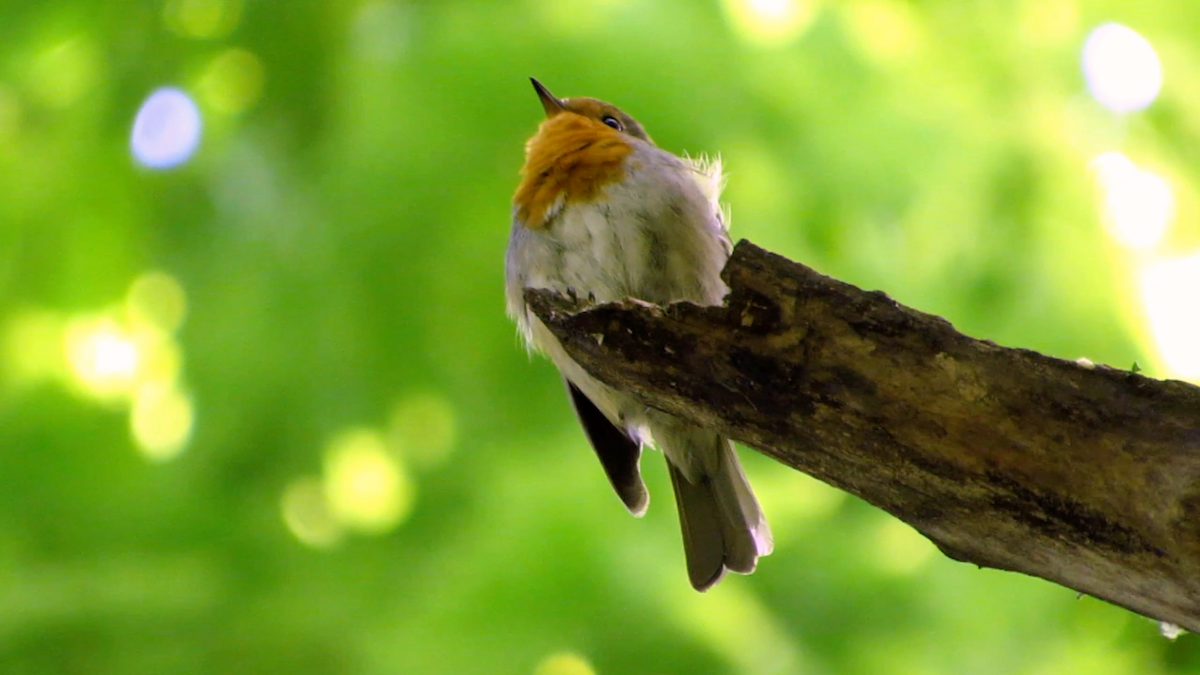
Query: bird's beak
x: 552, y: 105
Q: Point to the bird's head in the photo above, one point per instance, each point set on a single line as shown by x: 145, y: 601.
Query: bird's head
x: 591, y: 108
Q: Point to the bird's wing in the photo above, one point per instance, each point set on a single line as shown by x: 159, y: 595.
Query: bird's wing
x: 618, y: 453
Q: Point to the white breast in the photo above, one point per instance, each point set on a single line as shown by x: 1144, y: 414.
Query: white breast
x: 658, y: 235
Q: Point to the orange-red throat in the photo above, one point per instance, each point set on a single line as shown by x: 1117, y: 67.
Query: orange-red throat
x: 569, y: 159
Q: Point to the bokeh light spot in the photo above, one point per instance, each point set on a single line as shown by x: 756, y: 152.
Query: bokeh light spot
x: 202, y: 18
x: 1121, y: 68
x: 102, y: 356
x: 367, y: 488
x: 161, y: 420
x: 232, y: 82
x: 109, y: 359
x: 770, y: 23
x: 160, y: 357
x: 424, y: 427
x: 1171, y: 295
x: 899, y: 549
x: 564, y: 663
x: 1138, y: 205
x: 306, y: 513
x: 156, y: 299
x: 166, y: 130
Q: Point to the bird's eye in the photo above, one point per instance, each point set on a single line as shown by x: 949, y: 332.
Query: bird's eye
x: 613, y: 122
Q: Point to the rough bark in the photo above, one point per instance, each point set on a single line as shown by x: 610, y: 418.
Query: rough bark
x: 1083, y: 475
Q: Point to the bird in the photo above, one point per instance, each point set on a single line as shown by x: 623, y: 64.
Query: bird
x: 602, y: 212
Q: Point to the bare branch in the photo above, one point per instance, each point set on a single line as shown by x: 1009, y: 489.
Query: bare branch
x: 1006, y: 458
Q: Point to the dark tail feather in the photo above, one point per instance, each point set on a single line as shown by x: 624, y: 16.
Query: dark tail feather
x: 703, y: 543
x: 618, y: 453
x: 723, y: 527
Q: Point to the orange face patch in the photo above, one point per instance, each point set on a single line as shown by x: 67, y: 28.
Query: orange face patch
x: 571, y: 157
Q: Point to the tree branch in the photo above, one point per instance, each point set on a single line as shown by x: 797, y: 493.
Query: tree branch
x: 1006, y: 458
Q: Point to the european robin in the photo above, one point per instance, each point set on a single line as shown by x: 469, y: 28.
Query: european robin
x: 604, y: 213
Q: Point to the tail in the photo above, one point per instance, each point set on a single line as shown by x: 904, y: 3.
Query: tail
x: 723, y: 526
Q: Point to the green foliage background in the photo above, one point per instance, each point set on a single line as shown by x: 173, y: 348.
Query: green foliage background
x: 339, y: 237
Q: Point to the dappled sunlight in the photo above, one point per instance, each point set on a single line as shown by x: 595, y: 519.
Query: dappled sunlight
x: 1170, y: 290
x: 202, y: 19
x: 127, y: 357
x: 103, y: 356
x: 111, y: 353
x: 161, y: 420
x: 306, y: 513
x: 156, y: 299
x: 367, y: 486
x: 1138, y: 205
x: 232, y: 82
x: 564, y: 663
x: 770, y: 23
x: 1121, y: 67
x: 166, y: 131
